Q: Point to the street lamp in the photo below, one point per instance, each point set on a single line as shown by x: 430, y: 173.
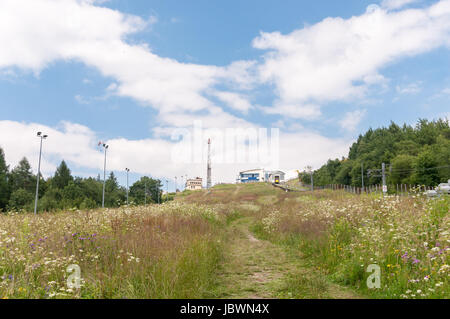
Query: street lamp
x: 145, y: 192
x: 128, y: 170
x: 167, y: 190
x: 105, y: 147
x: 42, y: 137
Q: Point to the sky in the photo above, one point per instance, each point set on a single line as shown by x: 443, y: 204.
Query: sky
x: 142, y: 75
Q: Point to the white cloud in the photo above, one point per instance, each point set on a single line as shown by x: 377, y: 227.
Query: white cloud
x: 72, y: 142
x: 296, y: 111
x: 40, y: 32
x: 352, y: 119
x: 396, y: 4
x: 77, y: 144
x: 411, y: 88
x: 334, y: 60
x: 234, y: 100
x: 81, y: 100
x: 340, y: 59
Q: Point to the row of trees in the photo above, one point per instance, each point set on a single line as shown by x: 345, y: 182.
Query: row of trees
x: 63, y: 191
x: 413, y: 155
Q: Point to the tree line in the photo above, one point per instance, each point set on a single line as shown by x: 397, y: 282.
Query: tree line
x: 64, y: 191
x: 416, y: 155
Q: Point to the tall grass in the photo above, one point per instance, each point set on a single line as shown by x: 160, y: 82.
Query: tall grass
x: 408, y: 238
x: 166, y: 251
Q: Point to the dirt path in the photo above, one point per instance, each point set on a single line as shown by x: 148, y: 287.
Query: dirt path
x: 256, y: 268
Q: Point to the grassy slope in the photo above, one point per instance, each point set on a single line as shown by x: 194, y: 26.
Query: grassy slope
x: 254, y: 267
x: 303, y: 244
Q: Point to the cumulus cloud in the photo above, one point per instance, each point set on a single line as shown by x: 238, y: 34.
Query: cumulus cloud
x: 333, y: 60
x: 411, y: 88
x: 77, y: 144
x: 40, y: 32
x: 352, y: 119
x: 234, y: 100
x: 396, y: 4
x: 340, y: 59
x: 296, y: 111
x: 72, y: 142
x: 446, y: 91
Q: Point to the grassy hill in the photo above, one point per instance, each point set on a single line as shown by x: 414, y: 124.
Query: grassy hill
x: 336, y: 235
x: 233, y: 241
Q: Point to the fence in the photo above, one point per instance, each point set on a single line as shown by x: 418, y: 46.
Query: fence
x: 400, y: 189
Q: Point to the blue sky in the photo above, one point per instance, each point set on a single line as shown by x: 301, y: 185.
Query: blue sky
x: 130, y: 72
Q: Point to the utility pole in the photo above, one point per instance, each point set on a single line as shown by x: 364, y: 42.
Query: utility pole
x: 39, y: 134
x: 312, y: 180
x: 362, y: 177
x: 167, y: 190
x: 383, y: 173
x: 105, y: 146
x: 176, y: 184
x: 128, y: 170
x: 208, y: 170
x: 145, y: 192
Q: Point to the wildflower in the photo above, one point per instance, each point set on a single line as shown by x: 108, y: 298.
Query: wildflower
x: 416, y: 261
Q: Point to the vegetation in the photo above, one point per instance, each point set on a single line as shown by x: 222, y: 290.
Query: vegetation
x: 235, y: 241
x: 414, y: 155
x: 157, y: 251
x: 63, y: 191
x: 338, y: 235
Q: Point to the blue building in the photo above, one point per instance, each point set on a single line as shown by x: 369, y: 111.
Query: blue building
x: 260, y: 175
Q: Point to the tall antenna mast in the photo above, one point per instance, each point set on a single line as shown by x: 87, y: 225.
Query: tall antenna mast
x: 208, y: 173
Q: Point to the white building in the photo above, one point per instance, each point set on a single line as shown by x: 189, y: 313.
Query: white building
x: 194, y: 184
x: 260, y: 175
x: 275, y: 176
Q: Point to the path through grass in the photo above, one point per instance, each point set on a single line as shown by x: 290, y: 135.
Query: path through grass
x: 257, y: 268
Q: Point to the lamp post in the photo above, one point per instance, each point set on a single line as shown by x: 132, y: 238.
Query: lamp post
x: 128, y: 170
x: 158, y: 194
x: 42, y: 137
x: 167, y: 190
x: 105, y: 147
x: 145, y: 192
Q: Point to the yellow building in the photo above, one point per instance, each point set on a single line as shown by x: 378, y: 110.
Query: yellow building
x: 194, y: 184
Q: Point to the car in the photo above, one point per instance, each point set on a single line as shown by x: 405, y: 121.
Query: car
x: 443, y: 188
x: 431, y: 193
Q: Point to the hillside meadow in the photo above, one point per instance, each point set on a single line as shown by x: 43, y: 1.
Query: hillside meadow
x: 291, y: 245
x: 158, y: 251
